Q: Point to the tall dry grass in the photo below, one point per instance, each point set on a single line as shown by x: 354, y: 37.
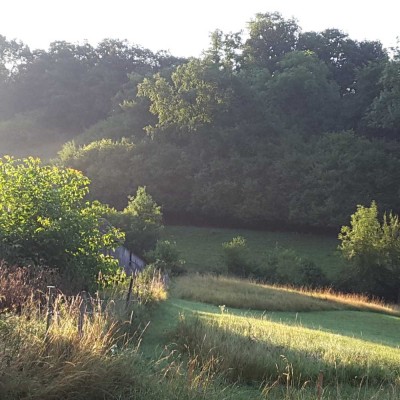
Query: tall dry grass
x: 246, y: 294
x: 89, y: 350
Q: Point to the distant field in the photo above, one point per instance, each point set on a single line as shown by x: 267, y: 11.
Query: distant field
x: 202, y: 247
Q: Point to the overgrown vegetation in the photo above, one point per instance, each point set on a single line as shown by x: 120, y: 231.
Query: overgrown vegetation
x: 45, y: 220
x: 89, y: 351
x: 373, y: 249
x: 141, y: 220
x: 167, y: 257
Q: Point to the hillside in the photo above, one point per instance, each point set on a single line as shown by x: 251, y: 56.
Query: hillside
x: 273, y: 128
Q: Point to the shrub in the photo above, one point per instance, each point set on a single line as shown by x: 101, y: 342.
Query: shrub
x: 372, y: 248
x: 45, y: 220
x: 166, y: 256
x: 285, y: 266
x: 236, y: 257
x: 141, y: 221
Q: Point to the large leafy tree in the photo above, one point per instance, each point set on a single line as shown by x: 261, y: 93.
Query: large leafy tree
x: 384, y: 112
x: 356, y: 106
x: 45, y: 220
x: 271, y: 37
x: 373, y: 248
x: 108, y: 164
x: 12, y: 54
x: 225, y: 50
x: 191, y: 99
x: 343, y: 55
x: 302, y: 94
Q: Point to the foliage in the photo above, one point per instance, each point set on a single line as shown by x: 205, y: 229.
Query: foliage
x: 46, y: 220
x: 108, y: 165
x: 373, y: 248
x: 98, y: 360
x: 341, y: 169
x: 190, y: 101
x: 72, y: 85
x: 286, y: 267
x: 344, y: 56
x: 385, y: 108
x: 141, y: 220
x: 271, y: 37
x: 150, y: 286
x: 280, y: 116
x: 302, y: 93
x: 167, y: 257
x: 224, y: 50
x: 236, y: 257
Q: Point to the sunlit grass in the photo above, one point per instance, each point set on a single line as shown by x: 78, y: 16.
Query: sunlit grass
x: 86, y: 350
x: 245, y: 294
x: 257, y: 349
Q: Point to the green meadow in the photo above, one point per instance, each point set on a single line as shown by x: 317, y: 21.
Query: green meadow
x: 201, y: 248
x: 270, y: 354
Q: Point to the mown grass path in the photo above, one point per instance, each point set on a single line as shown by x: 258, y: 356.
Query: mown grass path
x: 367, y: 326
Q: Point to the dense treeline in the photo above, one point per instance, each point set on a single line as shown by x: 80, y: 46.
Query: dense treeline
x: 282, y: 128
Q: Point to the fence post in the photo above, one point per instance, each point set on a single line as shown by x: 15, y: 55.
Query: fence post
x: 82, y: 311
x: 128, y: 296
x: 50, y: 310
x: 320, y: 383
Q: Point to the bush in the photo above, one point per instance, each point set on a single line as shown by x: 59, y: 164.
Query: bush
x: 373, y: 251
x: 47, y: 221
x: 141, y: 221
x: 286, y: 267
x: 236, y: 257
x: 166, y: 256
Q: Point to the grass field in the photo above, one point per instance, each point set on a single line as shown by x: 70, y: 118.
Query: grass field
x: 245, y: 294
x: 282, y: 353
x: 214, y: 338
x: 270, y: 342
x: 202, y: 247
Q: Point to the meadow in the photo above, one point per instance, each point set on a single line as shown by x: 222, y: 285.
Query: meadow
x: 210, y: 337
x: 281, y: 354
x: 201, y: 248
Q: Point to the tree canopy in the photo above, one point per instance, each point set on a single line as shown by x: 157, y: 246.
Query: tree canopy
x: 270, y: 126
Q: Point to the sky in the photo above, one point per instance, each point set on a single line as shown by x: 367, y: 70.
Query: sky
x: 183, y: 27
